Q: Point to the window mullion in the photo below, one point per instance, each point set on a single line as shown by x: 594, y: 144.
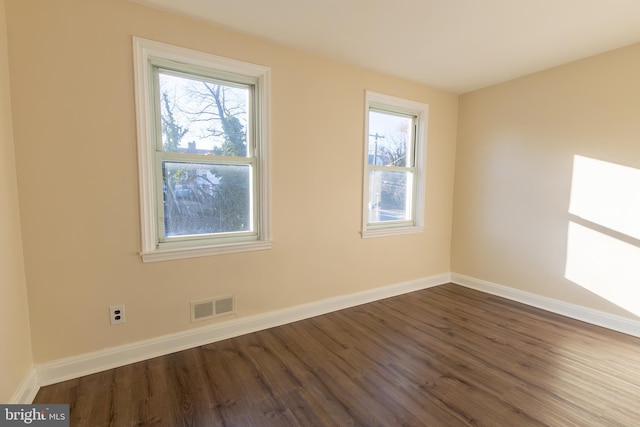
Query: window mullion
x: 203, y: 159
x: 392, y: 168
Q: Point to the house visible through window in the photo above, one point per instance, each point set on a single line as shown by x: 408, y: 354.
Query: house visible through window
x: 203, y: 152
x: 394, y: 176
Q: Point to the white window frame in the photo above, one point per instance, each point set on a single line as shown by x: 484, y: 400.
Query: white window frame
x: 392, y: 104
x: 147, y: 54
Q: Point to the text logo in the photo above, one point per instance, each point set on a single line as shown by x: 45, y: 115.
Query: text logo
x: 54, y: 415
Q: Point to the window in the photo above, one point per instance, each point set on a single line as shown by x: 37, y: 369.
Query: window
x: 394, y: 166
x: 202, y: 151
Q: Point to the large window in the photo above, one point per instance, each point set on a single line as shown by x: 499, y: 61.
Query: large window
x: 202, y: 129
x: 394, y: 172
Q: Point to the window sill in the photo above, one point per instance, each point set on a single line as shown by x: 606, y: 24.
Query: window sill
x: 202, y: 251
x: 391, y: 231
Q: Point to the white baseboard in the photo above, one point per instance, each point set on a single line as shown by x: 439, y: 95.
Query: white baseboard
x: 86, y: 364
x: 27, y: 390
x: 594, y: 317
x: 90, y: 363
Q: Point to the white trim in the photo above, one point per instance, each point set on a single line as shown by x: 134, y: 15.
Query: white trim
x: 27, y: 390
x: 194, y: 252
x: 141, y: 53
x: 421, y: 111
x: 90, y: 363
x: 145, y: 51
x: 588, y: 315
x: 388, y: 231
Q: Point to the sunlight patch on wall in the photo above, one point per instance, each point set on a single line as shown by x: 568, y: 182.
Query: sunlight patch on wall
x: 604, y: 265
x: 606, y: 194
x: 603, y: 255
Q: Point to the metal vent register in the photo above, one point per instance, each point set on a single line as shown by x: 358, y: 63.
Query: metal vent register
x: 201, y: 310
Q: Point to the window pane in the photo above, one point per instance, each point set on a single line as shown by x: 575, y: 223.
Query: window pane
x: 390, y: 139
x: 389, y: 196
x: 202, y: 117
x: 202, y: 198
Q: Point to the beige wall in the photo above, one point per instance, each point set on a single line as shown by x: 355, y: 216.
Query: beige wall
x: 74, y: 124
x: 15, y: 350
x: 515, y: 158
x: 75, y: 150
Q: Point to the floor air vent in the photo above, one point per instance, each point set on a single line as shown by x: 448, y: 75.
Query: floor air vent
x: 202, y: 310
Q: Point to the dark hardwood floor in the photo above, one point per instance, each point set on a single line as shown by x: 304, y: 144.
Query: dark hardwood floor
x: 445, y: 356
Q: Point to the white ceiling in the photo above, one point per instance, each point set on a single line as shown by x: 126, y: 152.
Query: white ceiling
x: 456, y: 45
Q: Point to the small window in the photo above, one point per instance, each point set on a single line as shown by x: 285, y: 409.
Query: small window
x: 394, y: 176
x: 202, y: 152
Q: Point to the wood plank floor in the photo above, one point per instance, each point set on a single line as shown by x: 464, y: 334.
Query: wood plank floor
x: 445, y: 356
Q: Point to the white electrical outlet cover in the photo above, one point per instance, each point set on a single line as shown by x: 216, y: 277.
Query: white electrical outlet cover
x: 116, y: 314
